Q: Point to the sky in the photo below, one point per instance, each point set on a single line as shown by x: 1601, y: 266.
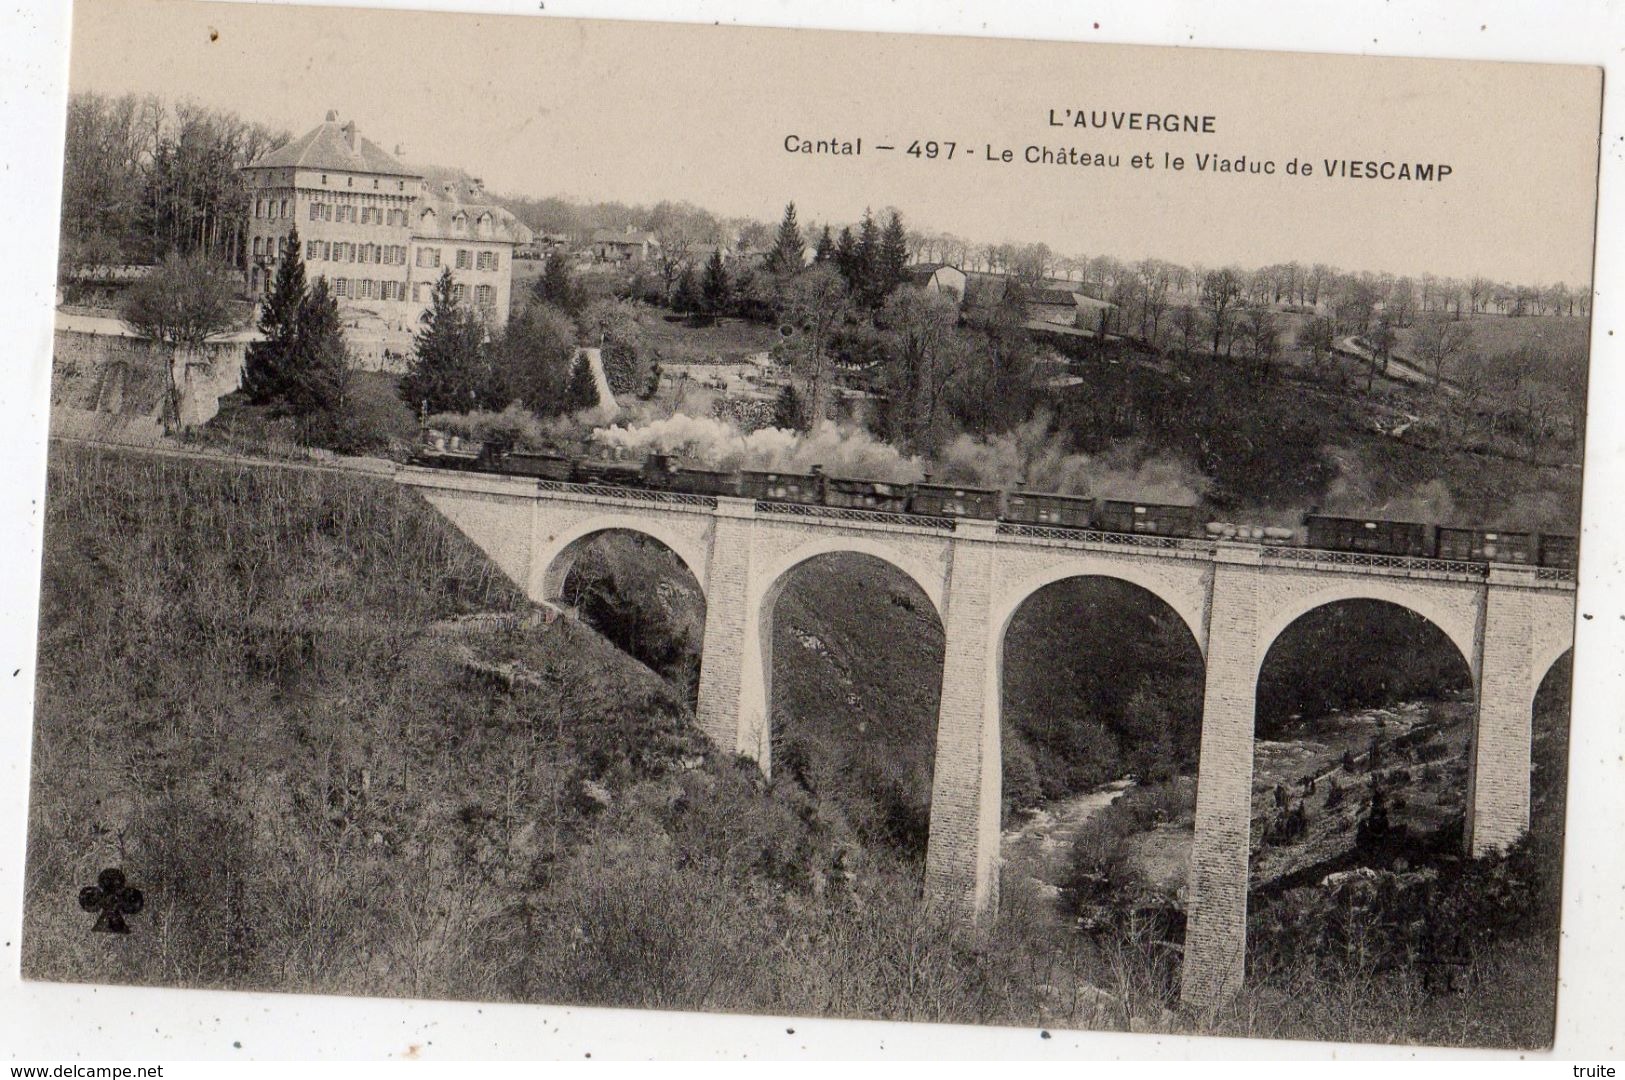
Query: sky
x: 641, y: 112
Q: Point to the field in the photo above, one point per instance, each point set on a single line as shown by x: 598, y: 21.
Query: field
x: 1492, y: 334
x: 724, y: 341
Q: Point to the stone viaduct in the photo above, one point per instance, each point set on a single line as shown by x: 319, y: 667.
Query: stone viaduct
x: 1511, y: 623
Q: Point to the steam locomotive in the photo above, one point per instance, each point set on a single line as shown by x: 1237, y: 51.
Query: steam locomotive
x: 665, y: 472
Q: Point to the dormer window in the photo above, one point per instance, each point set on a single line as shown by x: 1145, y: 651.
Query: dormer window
x: 460, y: 222
x: 485, y: 225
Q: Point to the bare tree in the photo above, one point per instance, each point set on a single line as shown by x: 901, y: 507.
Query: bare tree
x: 817, y: 304
x: 1380, y: 341
x: 1154, y: 279
x: 186, y: 300
x: 1437, y: 342
x: 1221, y: 289
x: 1261, y: 338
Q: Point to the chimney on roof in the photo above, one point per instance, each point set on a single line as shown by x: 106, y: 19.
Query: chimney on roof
x: 332, y: 115
x: 349, y: 134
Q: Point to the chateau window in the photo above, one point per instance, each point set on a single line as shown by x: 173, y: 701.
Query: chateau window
x: 485, y: 295
x: 259, y: 208
x: 285, y: 209
x: 488, y: 260
x: 465, y: 259
x: 258, y: 247
x: 324, y: 178
x: 281, y: 246
x: 459, y: 293
x: 327, y: 212
x: 368, y: 287
x: 421, y: 290
x: 400, y: 185
x: 315, y: 211
x: 312, y: 248
x: 349, y: 181
x: 375, y: 185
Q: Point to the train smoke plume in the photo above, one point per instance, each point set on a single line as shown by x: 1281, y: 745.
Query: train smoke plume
x: 713, y: 443
x: 1031, y: 452
x: 1034, y: 453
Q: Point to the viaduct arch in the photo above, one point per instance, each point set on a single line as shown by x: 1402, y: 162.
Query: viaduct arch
x: 1510, y: 622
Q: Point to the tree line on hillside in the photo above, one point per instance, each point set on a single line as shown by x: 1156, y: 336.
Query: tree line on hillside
x: 937, y: 366
x: 143, y: 178
x: 681, y: 227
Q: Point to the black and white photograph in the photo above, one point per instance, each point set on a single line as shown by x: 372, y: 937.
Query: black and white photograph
x: 1059, y: 535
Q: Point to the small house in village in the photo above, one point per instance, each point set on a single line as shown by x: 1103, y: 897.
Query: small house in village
x: 938, y: 277
x: 627, y: 246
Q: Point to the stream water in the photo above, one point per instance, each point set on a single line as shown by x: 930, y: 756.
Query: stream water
x: 1038, y: 850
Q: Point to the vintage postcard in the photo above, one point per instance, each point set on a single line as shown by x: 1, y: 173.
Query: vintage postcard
x: 805, y: 523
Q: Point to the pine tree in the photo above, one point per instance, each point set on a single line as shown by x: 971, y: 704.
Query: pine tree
x: 582, y: 390
x: 264, y: 378
x: 825, y: 250
x: 447, y: 373
x: 789, y: 250
x: 715, y: 290
x: 893, y: 257
x: 867, y: 260
x: 685, y: 298
x: 316, y: 376
x: 558, y: 286
x: 846, y: 258
x: 787, y: 409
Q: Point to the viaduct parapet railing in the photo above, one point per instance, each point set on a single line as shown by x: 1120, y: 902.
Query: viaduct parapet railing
x: 1509, y: 623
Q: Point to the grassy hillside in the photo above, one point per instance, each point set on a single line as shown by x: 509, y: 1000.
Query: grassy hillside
x: 857, y: 673
x: 256, y: 716
x: 1273, y: 448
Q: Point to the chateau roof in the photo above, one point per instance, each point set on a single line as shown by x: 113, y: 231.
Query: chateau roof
x: 448, y: 192
x: 335, y: 147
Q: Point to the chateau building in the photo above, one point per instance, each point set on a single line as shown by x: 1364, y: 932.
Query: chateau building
x: 381, y: 232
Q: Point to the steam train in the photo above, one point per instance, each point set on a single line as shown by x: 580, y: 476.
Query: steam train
x: 664, y: 472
